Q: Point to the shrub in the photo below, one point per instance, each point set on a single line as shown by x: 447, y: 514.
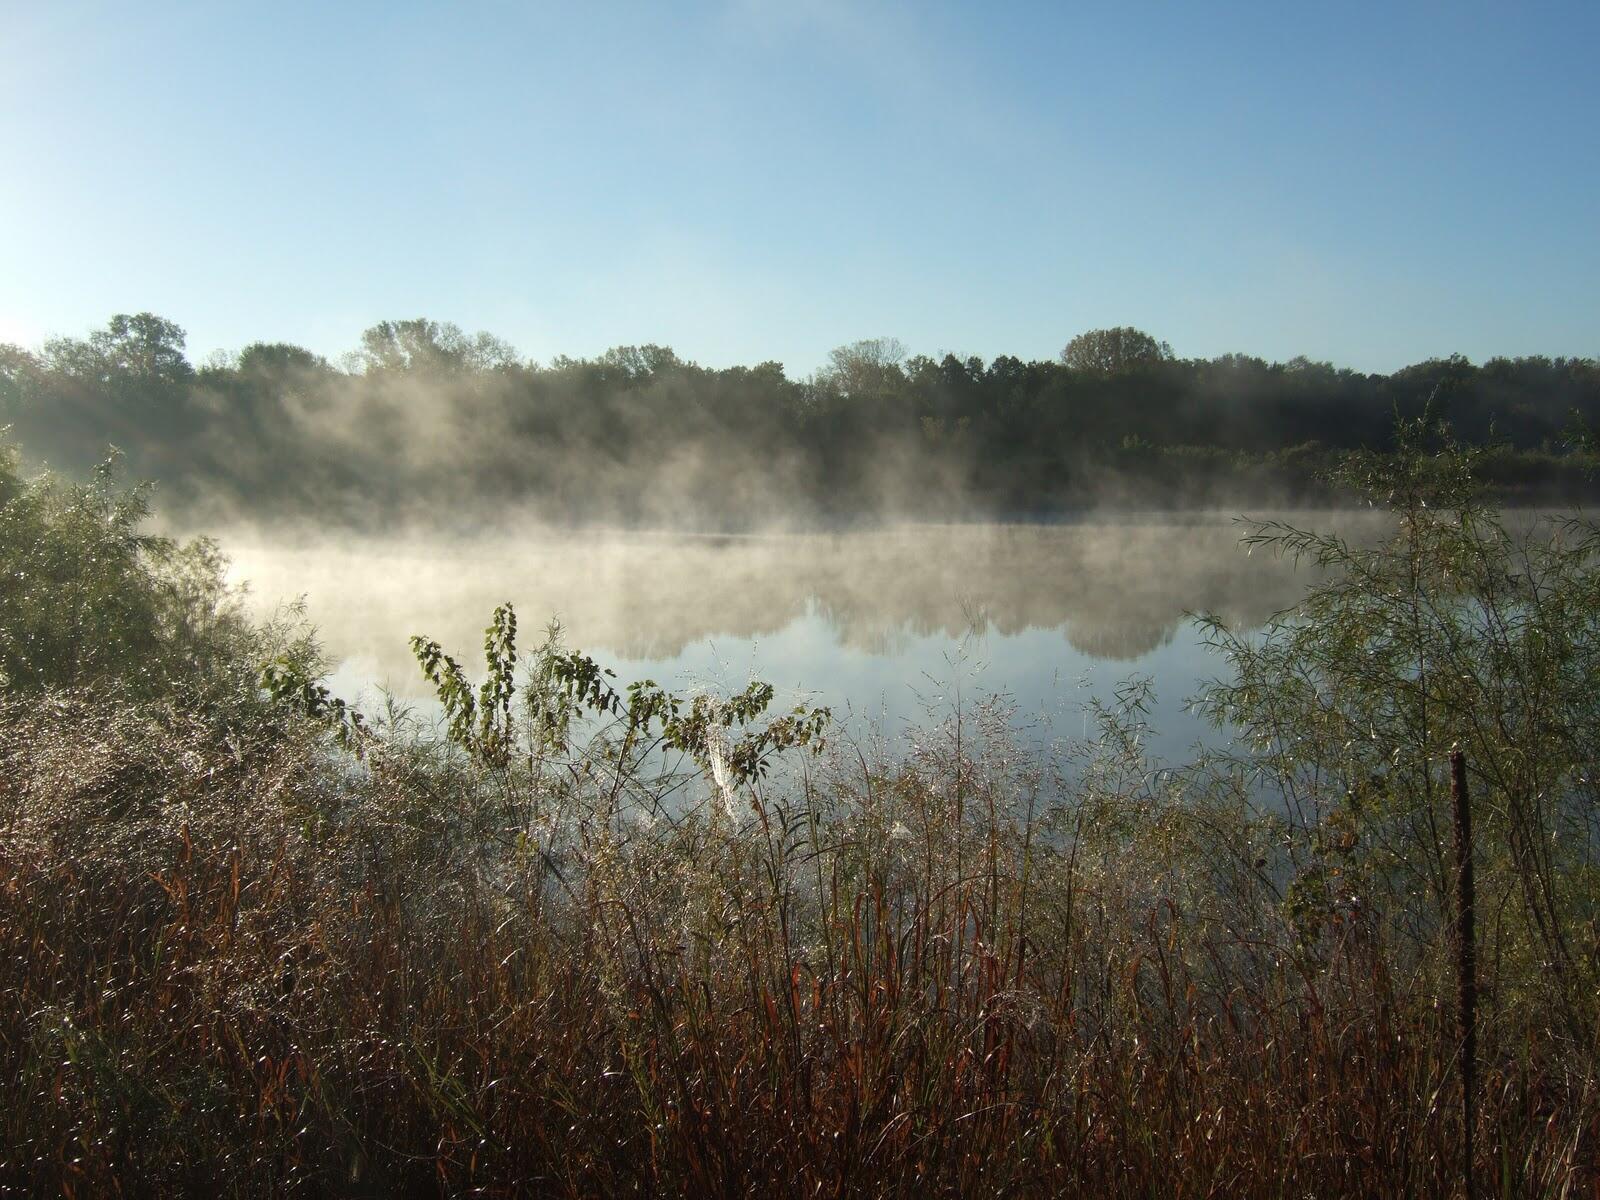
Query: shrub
x: 88, y: 598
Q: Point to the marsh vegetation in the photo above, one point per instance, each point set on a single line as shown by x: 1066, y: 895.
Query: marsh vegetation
x: 253, y: 941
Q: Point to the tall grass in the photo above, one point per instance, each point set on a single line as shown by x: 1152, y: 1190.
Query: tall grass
x: 239, y: 969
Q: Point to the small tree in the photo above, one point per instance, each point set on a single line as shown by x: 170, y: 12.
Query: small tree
x: 1456, y: 631
x: 89, y: 599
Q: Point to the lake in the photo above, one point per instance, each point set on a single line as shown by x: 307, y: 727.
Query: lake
x: 885, y: 626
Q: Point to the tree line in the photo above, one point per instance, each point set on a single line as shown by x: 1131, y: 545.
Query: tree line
x: 425, y: 421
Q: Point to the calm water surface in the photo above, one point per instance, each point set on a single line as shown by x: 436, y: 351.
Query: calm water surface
x: 883, y: 626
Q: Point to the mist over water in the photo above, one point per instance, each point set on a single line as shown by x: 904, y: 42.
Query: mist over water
x: 881, y: 625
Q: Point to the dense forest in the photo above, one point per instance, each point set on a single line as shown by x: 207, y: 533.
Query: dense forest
x: 424, y: 419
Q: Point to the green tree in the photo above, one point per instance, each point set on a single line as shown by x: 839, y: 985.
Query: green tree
x: 270, y: 358
x: 18, y: 372
x: 437, y: 347
x: 1456, y: 631
x: 1109, y: 351
x: 139, y: 350
x: 641, y: 362
x: 88, y: 598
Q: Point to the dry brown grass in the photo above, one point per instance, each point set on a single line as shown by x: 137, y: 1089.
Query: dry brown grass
x: 240, y: 968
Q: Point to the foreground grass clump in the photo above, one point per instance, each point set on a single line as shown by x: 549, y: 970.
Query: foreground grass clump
x: 237, y: 969
x: 582, y: 941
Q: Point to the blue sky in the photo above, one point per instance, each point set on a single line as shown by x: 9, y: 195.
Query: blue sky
x: 748, y: 180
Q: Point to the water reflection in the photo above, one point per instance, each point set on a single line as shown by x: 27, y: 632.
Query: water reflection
x: 1116, y: 591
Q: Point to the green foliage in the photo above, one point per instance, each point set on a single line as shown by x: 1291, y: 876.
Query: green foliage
x: 1109, y: 351
x: 88, y: 598
x: 287, y: 684
x: 1458, y: 631
x: 139, y: 347
x: 567, y: 685
x: 430, y: 347
x: 481, y: 724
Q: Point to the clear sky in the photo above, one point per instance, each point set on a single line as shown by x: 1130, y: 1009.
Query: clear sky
x: 765, y: 179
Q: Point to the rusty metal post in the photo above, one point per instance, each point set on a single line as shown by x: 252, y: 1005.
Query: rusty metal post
x: 1466, y: 965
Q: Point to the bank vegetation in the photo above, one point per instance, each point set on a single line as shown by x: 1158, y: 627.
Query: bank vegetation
x: 577, y: 938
